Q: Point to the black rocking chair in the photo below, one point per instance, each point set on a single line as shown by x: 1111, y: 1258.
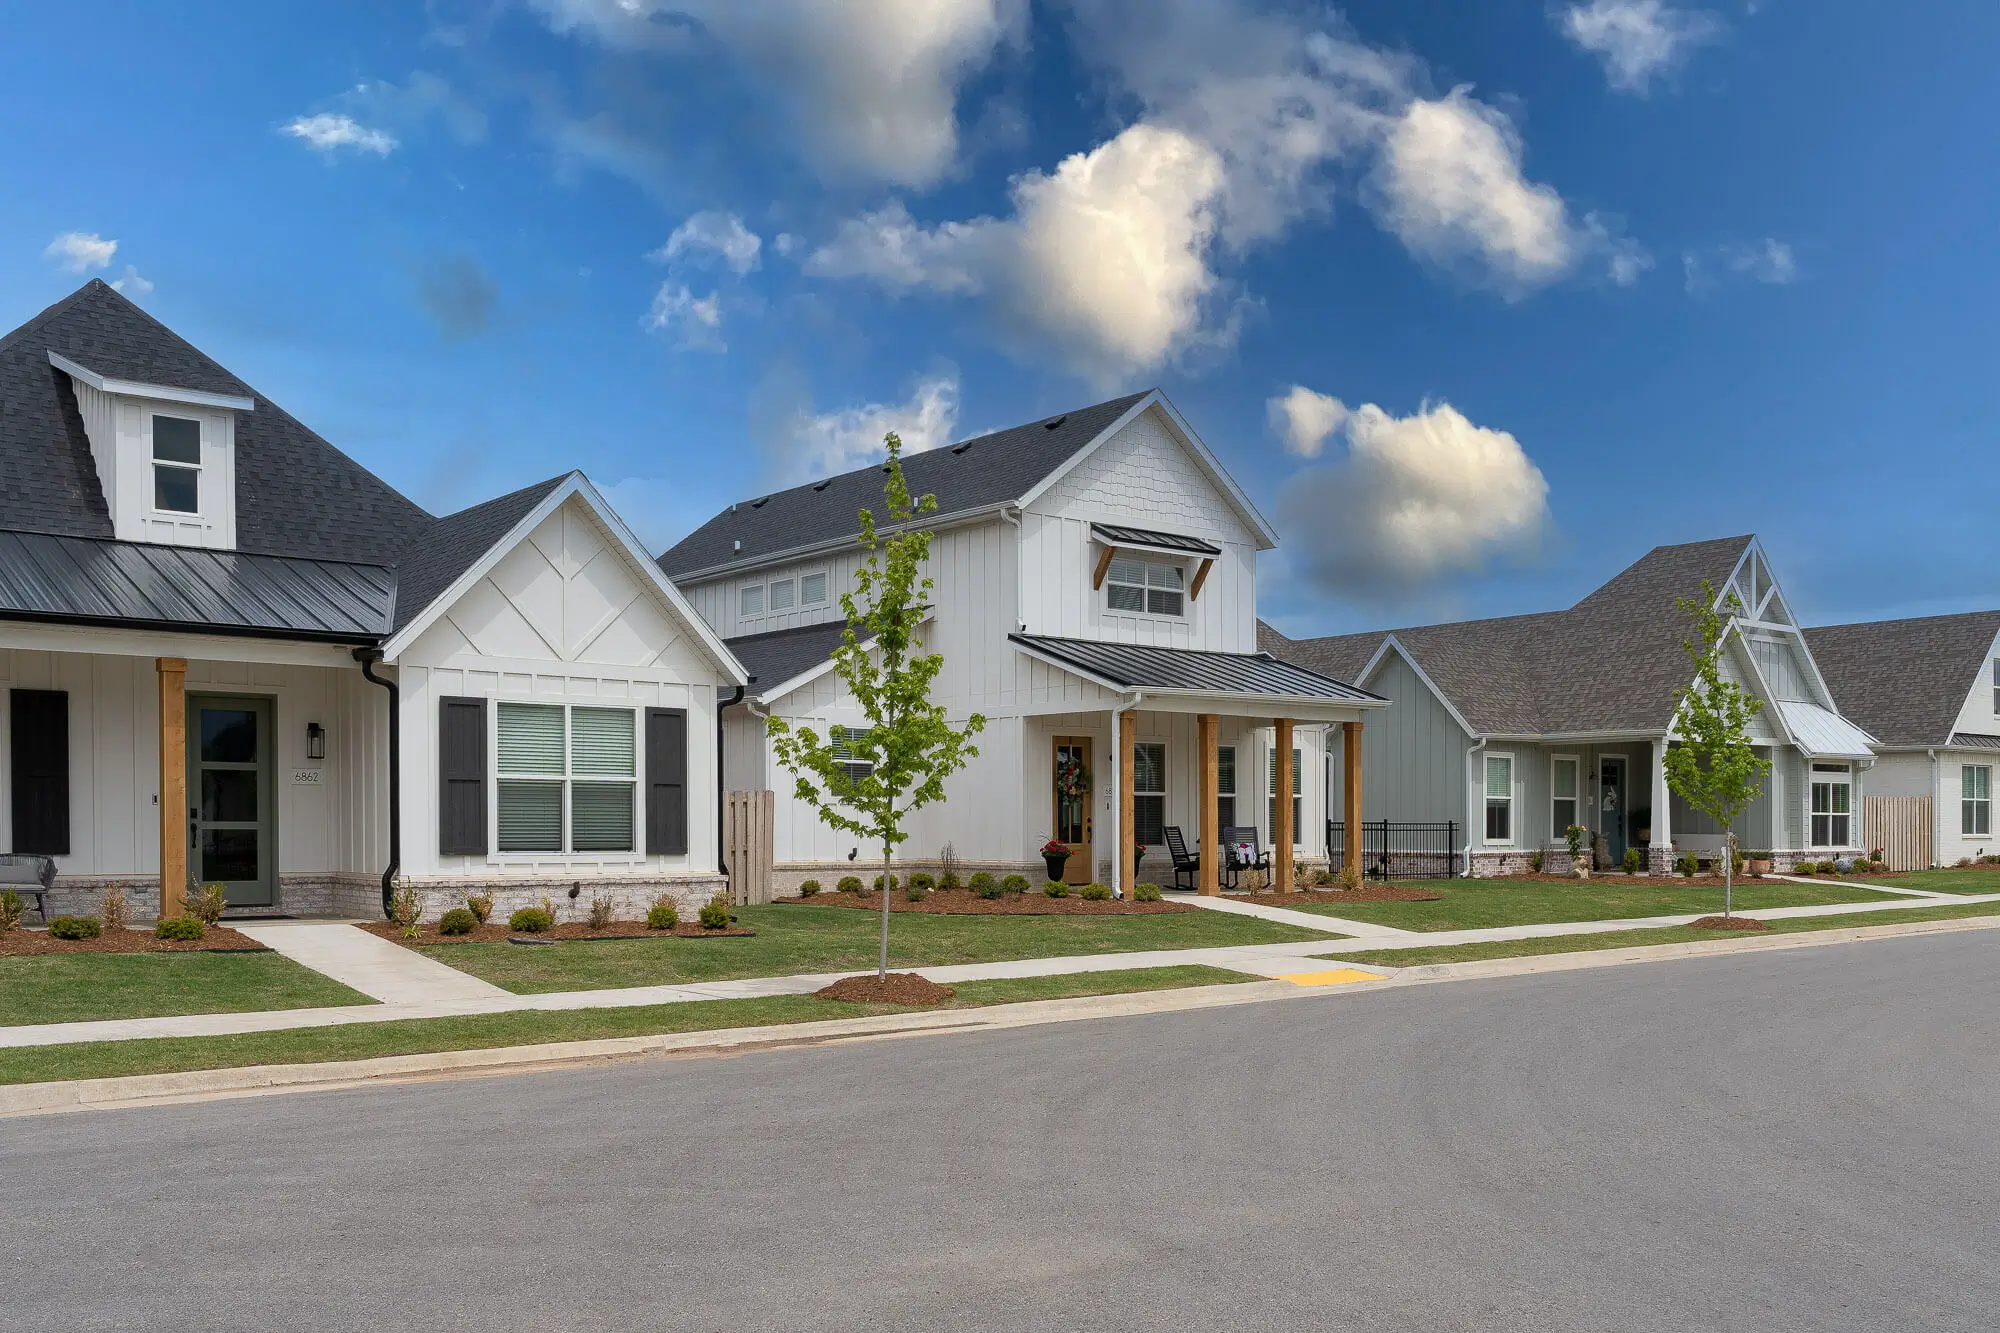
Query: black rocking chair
x: 1233, y: 863
x: 1185, y: 866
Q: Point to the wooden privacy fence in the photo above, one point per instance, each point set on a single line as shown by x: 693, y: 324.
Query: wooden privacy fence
x: 748, y: 822
x: 1901, y: 827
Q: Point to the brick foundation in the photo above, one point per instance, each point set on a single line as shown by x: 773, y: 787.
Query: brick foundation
x: 631, y: 894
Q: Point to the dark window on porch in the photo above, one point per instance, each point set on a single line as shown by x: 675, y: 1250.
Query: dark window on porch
x: 39, y: 727
x: 1149, y: 793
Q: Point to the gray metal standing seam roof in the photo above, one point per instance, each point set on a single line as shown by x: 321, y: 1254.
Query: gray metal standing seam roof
x: 1140, y: 666
x: 1171, y: 541
x: 973, y: 474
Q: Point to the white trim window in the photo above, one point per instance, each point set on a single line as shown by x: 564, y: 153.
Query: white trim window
x: 566, y: 778
x: 845, y: 742
x: 1499, y: 788
x: 1975, y: 805
x: 1149, y: 793
x: 812, y: 589
x: 1996, y: 687
x: 1298, y: 796
x: 176, y: 464
x: 783, y: 593
x: 1832, y: 805
x: 750, y: 602
x: 1563, y: 778
x: 1148, y: 587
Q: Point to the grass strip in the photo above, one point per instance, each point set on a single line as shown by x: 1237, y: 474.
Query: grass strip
x: 1479, y: 904
x: 85, y: 987
x: 360, y: 1041
x: 1626, y: 939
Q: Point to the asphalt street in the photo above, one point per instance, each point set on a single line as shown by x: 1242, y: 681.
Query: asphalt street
x: 1773, y: 1141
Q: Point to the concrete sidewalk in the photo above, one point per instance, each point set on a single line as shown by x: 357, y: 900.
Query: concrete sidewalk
x: 368, y: 963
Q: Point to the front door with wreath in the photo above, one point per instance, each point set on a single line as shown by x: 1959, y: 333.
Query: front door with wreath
x: 1072, y: 805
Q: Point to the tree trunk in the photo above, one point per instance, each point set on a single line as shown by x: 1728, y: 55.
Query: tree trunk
x: 888, y: 883
x: 1728, y: 869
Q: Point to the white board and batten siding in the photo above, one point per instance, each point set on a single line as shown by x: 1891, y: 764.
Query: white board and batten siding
x: 563, y: 617
x: 119, y: 428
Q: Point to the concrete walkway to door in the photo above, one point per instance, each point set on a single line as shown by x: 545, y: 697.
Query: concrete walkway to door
x: 372, y: 965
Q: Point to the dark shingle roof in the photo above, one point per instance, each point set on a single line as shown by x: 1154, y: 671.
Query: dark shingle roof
x: 1904, y: 681
x: 1142, y: 666
x: 87, y: 580
x: 974, y: 474
x: 296, y: 495
x: 1609, y: 663
x: 774, y: 658
x: 452, y: 544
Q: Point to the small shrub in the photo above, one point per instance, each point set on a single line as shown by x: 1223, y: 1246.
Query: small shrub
x: 715, y: 913
x: 458, y: 921
x: 1632, y: 859
x: 1350, y: 875
x: 1962, y: 862
x: 893, y: 883
x: 603, y: 910
x: 1805, y: 868
x: 849, y: 884
x: 181, y: 928
x: 920, y: 880
x: 10, y: 910
x: 1055, y: 888
x: 809, y: 888
x: 1987, y: 860
x: 1095, y: 893
x: 117, y: 910
x: 208, y: 905
x: 480, y: 905
x: 1015, y: 884
x: 664, y: 914
x: 406, y: 909
x: 1688, y: 864
x: 1828, y: 868
x: 1145, y: 893
x: 948, y: 876
x: 1535, y: 861
x: 531, y: 920
x: 76, y: 928
x: 984, y: 884
x: 948, y: 879
x: 916, y: 893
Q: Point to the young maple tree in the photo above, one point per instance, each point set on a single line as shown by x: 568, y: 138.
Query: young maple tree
x: 867, y: 781
x: 1713, y: 767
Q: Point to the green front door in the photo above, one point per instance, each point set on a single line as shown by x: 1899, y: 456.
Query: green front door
x: 232, y: 818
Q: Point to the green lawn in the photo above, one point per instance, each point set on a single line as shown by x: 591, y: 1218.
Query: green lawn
x: 358, y: 1041
x: 1473, y: 904
x: 1625, y: 939
x: 791, y: 940
x: 75, y: 987
x: 1971, y: 879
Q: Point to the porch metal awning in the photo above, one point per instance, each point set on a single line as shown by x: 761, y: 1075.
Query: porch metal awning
x: 90, y: 581
x: 1818, y: 732
x: 1113, y: 534
x: 1135, y: 666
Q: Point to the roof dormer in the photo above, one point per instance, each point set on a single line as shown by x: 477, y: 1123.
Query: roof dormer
x: 166, y: 456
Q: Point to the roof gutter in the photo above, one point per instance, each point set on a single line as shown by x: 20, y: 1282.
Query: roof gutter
x: 360, y: 638
x: 720, y: 804
x: 368, y: 657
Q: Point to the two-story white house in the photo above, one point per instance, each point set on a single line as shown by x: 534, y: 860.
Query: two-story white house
x: 1095, y: 599
x: 232, y: 655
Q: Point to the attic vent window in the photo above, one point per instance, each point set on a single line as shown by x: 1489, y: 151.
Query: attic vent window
x: 1053, y: 422
x: 758, y: 504
x: 961, y: 448
x: 823, y: 485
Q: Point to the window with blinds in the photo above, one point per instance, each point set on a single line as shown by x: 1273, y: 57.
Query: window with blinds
x: 557, y: 760
x: 850, y: 752
x: 1149, y: 793
x: 1150, y: 586
x: 1298, y: 796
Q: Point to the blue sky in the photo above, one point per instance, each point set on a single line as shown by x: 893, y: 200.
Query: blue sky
x: 1478, y: 300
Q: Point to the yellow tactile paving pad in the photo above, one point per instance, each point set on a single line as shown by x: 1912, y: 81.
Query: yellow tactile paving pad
x: 1339, y: 976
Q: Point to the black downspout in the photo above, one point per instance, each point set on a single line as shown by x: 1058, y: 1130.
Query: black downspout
x: 730, y: 702
x: 368, y: 657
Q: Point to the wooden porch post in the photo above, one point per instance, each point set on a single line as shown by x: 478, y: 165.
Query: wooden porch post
x: 173, y: 784
x: 1284, y: 835
x: 1350, y: 760
x: 1210, y: 845
x: 1127, y: 742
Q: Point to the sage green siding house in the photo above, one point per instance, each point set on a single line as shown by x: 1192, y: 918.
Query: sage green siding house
x: 1516, y: 727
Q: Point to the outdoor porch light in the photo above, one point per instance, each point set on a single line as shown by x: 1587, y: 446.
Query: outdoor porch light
x: 315, y: 741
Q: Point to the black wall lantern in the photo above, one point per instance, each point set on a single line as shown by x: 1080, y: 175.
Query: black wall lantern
x: 315, y: 741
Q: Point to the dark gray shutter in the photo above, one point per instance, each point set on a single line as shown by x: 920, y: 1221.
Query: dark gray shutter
x: 38, y: 722
x: 666, y: 781
x: 462, y: 776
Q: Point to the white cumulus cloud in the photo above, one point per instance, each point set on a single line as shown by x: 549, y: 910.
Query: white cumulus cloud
x: 1413, y: 500
x: 694, y: 322
x: 1304, y: 418
x: 132, y: 284
x: 1636, y: 40
x: 722, y: 235
x: 1769, y: 261
x: 828, y: 443
x: 80, y: 251
x: 330, y: 131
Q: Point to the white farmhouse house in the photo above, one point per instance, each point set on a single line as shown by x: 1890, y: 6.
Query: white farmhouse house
x: 1928, y: 690
x: 233, y: 655
x: 1095, y: 600
x: 1515, y: 728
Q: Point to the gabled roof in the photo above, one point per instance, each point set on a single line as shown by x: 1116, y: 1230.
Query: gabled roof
x: 782, y: 655
x: 1609, y: 663
x: 1135, y: 666
x: 296, y: 495
x: 1906, y: 680
x: 454, y: 543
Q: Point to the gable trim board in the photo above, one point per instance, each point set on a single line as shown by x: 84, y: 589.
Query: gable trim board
x: 161, y: 392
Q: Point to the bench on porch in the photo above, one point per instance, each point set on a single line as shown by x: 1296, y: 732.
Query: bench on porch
x: 1185, y: 864
x: 31, y: 876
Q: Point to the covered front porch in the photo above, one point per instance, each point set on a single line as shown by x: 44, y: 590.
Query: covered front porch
x: 1194, y: 742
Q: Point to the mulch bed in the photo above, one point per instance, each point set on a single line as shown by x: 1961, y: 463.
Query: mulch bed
x: 1367, y: 893
x: 497, y: 932
x: 219, y: 939
x: 964, y: 902
x: 896, y: 988
x: 1728, y: 923
x: 1695, y: 881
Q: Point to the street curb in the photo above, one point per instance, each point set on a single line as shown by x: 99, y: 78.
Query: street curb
x: 257, y: 1080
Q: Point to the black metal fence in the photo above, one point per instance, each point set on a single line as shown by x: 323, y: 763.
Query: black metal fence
x: 1395, y: 850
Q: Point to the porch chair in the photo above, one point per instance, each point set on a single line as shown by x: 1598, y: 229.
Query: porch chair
x: 1185, y: 865
x: 31, y: 876
x: 1233, y: 862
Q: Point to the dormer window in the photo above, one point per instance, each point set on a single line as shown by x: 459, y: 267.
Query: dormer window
x: 176, y: 464
x: 1151, y: 587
